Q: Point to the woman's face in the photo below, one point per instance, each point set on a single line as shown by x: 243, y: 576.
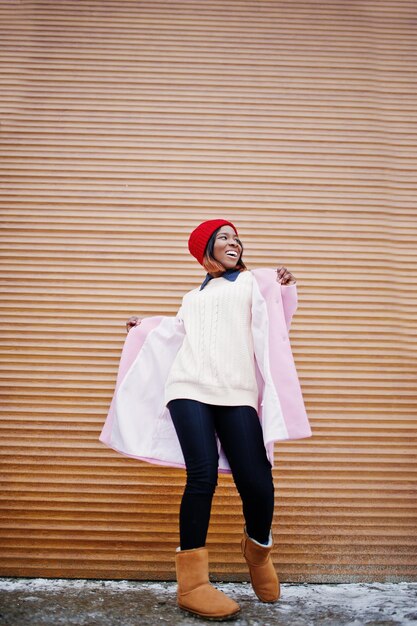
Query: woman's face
x: 225, y: 244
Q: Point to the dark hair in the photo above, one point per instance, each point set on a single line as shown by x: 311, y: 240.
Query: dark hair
x: 210, y: 263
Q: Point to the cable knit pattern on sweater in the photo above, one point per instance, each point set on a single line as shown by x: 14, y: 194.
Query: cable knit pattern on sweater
x: 216, y: 362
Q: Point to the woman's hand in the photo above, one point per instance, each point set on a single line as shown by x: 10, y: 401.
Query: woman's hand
x: 132, y: 321
x: 284, y: 276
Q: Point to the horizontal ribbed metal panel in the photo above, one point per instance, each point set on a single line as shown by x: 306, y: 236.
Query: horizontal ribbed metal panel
x: 125, y: 124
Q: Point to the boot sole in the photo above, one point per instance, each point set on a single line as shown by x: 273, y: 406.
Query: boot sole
x: 221, y: 618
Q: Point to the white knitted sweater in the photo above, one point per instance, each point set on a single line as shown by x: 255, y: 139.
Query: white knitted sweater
x: 216, y: 362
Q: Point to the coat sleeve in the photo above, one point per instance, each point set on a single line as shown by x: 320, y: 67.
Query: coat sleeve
x: 289, y: 302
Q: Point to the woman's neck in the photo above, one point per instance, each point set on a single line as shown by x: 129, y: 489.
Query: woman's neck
x: 230, y: 269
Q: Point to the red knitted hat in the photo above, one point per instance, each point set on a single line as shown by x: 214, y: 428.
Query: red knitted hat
x: 198, y: 239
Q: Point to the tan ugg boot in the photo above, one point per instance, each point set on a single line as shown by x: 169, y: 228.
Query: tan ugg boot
x: 195, y: 594
x: 263, y: 576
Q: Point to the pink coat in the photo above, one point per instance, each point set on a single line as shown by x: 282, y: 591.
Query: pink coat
x: 139, y: 424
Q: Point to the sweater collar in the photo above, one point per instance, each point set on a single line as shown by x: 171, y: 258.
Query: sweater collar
x: 230, y: 274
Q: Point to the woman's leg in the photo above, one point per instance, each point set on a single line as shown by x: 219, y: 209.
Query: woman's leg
x: 240, y: 433
x: 194, y: 424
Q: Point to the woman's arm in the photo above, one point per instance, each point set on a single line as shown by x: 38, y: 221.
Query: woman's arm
x: 288, y: 292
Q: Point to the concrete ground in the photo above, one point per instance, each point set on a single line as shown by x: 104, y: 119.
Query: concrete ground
x: 55, y: 602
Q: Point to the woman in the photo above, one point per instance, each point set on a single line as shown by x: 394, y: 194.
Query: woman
x: 217, y: 377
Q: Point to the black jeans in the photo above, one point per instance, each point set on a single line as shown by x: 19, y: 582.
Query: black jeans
x: 240, y: 433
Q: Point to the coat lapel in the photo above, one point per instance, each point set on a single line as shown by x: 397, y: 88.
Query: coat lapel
x: 283, y: 400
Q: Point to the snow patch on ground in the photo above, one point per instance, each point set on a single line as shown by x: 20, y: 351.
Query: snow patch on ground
x: 87, y: 602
